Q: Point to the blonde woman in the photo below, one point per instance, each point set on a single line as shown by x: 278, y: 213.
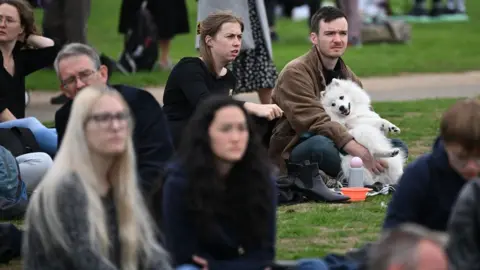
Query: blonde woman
x: 88, y: 212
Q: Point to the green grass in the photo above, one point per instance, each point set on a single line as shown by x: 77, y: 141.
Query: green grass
x: 440, y: 47
x: 314, y: 230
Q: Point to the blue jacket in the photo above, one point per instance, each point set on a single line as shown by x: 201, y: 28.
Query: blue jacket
x: 151, y: 137
x: 223, y: 252
x: 426, y: 192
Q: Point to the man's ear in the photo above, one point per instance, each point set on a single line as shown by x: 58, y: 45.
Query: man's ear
x: 313, y: 38
x: 322, y: 94
x: 103, y: 71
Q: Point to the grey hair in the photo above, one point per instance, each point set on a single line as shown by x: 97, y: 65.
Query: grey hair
x: 399, y: 246
x: 77, y: 49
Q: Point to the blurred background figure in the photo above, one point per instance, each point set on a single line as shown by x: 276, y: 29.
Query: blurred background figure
x: 65, y: 21
x: 171, y: 19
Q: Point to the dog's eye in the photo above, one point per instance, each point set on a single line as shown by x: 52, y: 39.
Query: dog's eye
x: 333, y: 104
x: 341, y: 97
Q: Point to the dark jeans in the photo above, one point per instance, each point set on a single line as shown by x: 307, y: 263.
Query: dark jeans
x: 321, y: 150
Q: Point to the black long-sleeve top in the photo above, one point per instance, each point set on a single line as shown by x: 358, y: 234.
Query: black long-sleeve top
x: 12, y: 88
x: 189, y: 83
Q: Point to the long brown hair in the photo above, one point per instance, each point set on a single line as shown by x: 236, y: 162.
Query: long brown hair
x: 210, y: 26
x: 25, y: 12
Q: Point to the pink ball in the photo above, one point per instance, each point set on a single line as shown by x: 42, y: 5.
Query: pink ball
x: 356, y: 162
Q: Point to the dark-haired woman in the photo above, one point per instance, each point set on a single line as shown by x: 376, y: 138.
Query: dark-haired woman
x: 219, y: 195
x: 23, y: 52
x: 195, y: 78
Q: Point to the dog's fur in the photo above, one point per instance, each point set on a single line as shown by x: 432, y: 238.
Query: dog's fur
x: 347, y: 103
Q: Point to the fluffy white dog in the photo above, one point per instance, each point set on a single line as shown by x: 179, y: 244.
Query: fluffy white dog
x: 347, y: 103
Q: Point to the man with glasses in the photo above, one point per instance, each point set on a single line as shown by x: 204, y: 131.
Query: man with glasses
x: 431, y: 184
x: 77, y: 66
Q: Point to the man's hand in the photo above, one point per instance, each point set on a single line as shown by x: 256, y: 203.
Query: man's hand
x: 355, y: 149
x: 269, y: 111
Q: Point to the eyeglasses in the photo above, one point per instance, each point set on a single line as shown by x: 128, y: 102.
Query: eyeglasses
x: 83, y: 76
x: 7, y: 20
x: 105, y: 120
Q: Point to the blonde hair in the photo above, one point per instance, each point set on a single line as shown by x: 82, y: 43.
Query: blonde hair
x: 136, y: 229
x: 210, y: 26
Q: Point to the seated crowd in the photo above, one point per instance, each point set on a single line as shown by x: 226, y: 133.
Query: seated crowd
x: 193, y: 185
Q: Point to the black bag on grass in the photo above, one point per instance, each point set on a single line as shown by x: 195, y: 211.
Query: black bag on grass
x: 141, y: 43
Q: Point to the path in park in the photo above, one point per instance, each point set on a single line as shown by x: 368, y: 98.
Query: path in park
x: 399, y: 88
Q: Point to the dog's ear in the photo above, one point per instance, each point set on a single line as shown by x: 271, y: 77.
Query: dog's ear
x: 322, y: 94
x: 335, y: 82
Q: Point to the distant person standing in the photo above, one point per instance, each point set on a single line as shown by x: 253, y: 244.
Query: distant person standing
x: 352, y: 10
x: 170, y: 17
x: 65, y: 21
x: 254, y: 68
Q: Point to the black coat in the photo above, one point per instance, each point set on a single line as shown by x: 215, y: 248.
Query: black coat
x: 170, y: 16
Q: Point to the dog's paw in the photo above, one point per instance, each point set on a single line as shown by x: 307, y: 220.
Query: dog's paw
x: 395, y: 152
x: 389, y: 128
x: 393, y: 129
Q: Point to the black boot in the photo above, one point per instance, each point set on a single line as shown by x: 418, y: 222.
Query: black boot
x: 309, y: 181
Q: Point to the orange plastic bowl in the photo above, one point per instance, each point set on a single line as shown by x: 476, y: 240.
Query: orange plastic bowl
x: 356, y: 194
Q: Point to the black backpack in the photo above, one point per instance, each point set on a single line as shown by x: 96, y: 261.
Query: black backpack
x: 141, y: 43
x: 18, y: 141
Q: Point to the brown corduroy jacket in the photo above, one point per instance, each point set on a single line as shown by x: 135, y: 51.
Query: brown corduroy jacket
x: 297, y: 93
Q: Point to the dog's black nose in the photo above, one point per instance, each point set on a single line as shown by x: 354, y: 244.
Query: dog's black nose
x: 342, y: 108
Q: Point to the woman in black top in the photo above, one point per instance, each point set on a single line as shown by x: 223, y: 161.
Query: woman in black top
x: 219, y: 196
x: 23, y: 52
x: 195, y: 78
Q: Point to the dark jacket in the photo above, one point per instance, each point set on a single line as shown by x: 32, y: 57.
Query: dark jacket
x: 297, y: 93
x: 464, y: 229
x: 222, y: 252
x: 151, y: 138
x: 426, y: 192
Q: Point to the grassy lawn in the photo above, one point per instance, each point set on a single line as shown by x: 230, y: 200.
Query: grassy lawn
x: 439, y: 47
x: 314, y: 230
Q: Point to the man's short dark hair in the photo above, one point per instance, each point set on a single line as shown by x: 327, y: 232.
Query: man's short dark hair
x: 326, y: 14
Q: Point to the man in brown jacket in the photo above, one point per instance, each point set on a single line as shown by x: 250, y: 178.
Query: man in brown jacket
x: 305, y: 132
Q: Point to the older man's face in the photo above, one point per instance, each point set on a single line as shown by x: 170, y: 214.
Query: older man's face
x: 78, y: 72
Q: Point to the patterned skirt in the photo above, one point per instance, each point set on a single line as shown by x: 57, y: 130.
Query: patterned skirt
x: 254, y: 69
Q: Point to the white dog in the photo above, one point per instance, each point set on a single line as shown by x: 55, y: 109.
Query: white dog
x: 347, y: 103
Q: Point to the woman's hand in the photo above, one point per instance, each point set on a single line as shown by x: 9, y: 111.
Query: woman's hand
x: 200, y: 261
x: 38, y: 41
x: 269, y: 111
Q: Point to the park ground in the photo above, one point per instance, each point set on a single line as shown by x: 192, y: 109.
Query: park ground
x: 314, y: 230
